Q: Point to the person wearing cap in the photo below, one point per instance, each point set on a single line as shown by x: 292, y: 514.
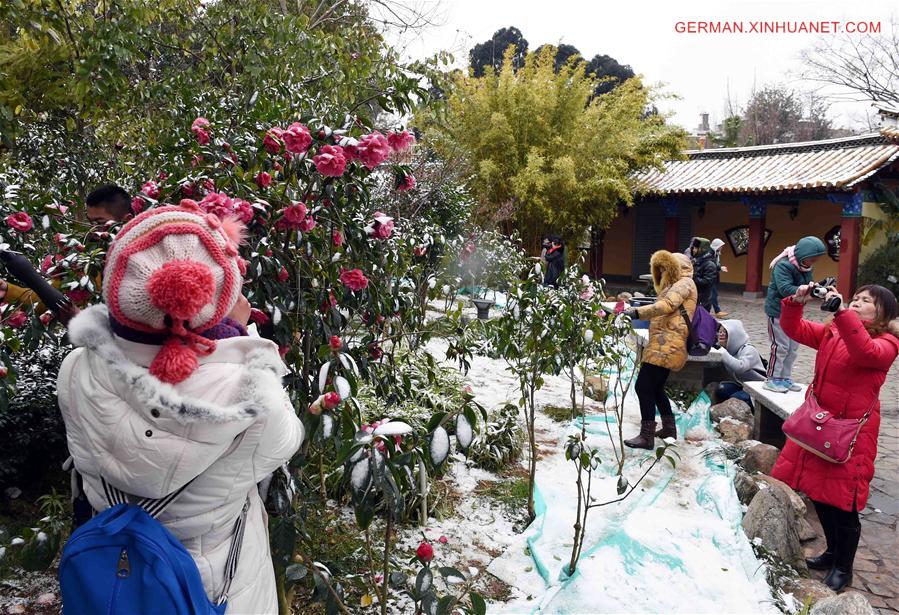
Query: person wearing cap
x: 705, y: 270
x: 716, y: 246
x: 164, y: 391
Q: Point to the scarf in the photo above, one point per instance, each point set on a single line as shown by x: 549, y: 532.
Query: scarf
x: 224, y: 329
x: 790, y: 253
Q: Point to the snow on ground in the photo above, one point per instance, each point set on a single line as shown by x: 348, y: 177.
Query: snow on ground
x: 675, y: 545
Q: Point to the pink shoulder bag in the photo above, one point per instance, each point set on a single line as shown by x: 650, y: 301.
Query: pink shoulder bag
x: 817, y: 431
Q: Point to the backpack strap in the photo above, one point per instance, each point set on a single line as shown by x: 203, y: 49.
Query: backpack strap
x: 153, y: 507
x: 683, y: 313
x: 234, y: 552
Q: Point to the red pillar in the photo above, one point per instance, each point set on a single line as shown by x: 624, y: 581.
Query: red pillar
x: 596, y: 249
x: 850, y: 246
x: 756, y: 253
x: 671, y: 234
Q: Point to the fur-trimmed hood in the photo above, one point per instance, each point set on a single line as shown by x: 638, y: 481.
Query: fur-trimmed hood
x: 667, y: 268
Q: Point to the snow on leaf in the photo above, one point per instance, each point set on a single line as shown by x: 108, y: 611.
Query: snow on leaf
x: 360, y: 476
x: 464, y: 434
x: 323, y: 376
x: 342, y: 385
x: 393, y: 428
x: 440, y: 446
x: 327, y: 425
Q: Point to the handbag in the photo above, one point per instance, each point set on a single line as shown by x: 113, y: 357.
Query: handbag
x: 820, y: 433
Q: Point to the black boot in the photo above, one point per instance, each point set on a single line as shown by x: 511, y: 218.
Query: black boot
x: 825, y: 560
x: 646, y: 439
x: 840, y: 576
x: 669, y: 428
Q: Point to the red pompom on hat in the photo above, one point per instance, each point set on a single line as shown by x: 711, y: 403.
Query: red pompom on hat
x: 170, y: 271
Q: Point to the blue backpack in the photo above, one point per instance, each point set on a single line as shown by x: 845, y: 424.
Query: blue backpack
x: 124, y: 561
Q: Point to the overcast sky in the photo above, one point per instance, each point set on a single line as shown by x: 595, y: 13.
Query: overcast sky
x: 699, y: 68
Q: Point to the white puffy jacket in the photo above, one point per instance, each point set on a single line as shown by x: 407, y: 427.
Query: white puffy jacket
x: 230, y: 422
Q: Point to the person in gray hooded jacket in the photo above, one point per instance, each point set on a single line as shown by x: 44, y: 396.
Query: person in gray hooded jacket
x: 742, y: 361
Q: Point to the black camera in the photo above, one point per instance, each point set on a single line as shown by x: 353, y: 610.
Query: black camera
x: 821, y: 289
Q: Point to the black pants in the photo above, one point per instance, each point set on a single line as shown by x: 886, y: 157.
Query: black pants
x: 833, y: 517
x: 650, y: 388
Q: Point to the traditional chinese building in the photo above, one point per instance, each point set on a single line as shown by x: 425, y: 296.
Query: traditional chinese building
x: 758, y: 200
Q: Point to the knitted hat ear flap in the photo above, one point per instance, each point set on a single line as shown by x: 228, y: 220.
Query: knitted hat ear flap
x: 180, y: 288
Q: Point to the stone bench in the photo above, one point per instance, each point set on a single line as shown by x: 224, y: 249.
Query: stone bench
x: 698, y: 372
x: 771, y: 410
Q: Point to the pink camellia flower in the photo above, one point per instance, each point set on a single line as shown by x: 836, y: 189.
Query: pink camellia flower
x: 337, y: 238
x: 419, y: 251
x: 79, y: 296
x: 283, y: 275
x: 407, y: 182
x: 297, y: 138
x: 375, y: 351
x: 292, y: 217
x: 373, y: 149
x: 45, y: 318
x: 353, y: 279
x: 137, y: 205
x: 17, y: 319
x: 263, y: 180
x: 273, y: 140
x: 331, y: 401
x: 307, y: 224
x: 335, y: 343
x: 151, y: 189
x: 330, y: 161
x: 258, y: 316
x: 400, y: 141
x: 222, y: 205
x: 208, y: 185
x: 46, y: 263
x: 201, y: 123
x: 187, y: 190
x: 424, y: 552
x: 381, y: 226
x: 20, y: 221
x: 328, y: 303
x: 196, y: 160
x: 202, y: 136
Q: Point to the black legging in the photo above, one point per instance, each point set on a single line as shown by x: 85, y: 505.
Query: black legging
x: 833, y: 517
x: 650, y: 388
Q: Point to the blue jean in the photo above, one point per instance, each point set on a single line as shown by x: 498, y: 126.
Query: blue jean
x: 714, y: 299
x: 729, y: 389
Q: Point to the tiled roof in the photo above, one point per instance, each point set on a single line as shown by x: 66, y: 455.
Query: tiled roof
x: 833, y: 164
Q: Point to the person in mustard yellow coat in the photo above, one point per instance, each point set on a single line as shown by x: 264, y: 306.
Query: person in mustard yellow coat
x: 666, y: 350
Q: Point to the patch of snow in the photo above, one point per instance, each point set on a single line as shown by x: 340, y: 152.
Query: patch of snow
x: 440, y: 445
x: 464, y: 434
x: 393, y: 428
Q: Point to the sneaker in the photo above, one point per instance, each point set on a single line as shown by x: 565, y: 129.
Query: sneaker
x: 777, y: 386
x: 792, y: 385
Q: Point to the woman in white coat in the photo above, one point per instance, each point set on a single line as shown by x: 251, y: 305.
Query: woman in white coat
x: 164, y: 391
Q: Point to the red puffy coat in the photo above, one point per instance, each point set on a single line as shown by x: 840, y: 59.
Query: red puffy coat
x: 850, y: 368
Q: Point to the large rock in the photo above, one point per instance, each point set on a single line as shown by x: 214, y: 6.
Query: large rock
x: 733, y: 431
x: 806, y: 530
x: 771, y: 519
x: 807, y: 589
x: 760, y: 458
x: 847, y: 603
x: 733, y: 408
x: 745, y: 486
x: 798, y: 506
x: 597, y: 387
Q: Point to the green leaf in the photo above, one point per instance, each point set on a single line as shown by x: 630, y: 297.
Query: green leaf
x: 478, y: 605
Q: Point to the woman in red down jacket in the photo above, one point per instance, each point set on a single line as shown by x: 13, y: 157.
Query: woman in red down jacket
x: 855, y: 353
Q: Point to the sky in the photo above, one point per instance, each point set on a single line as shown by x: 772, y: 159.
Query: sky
x: 699, y: 68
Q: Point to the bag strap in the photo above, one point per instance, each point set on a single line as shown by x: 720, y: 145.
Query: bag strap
x: 683, y: 312
x: 153, y: 507
x: 234, y: 552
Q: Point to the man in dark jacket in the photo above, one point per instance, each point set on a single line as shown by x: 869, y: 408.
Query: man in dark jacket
x: 554, y: 255
x: 705, y: 270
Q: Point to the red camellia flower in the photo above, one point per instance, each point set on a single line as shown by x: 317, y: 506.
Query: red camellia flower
x: 400, y: 141
x: 263, y: 180
x: 335, y: 343
x: 258, y: 316
x: 353, y: 279
x: 273, y: 140
x: 17, y: 319
x: 424, y: 552
x: 20, y: 221
x: 3, y: 371
x: 283, y: 275
x: 331, y: 400
x: 297, y: 138
x: 202, y: 136
x: 151, y: 189
x: 137, y: 205
x: 407, y: 182
x: 419, y: 251
x: 293, y: 217
x: 187, y: 190
x: 307, y: 224
x: 442, y: 540
x: 375, y: 352
x: 337, y: 238
x: 373, y: 149
x: 330, y: 161
x: 79, y: 296
x: 45, y: 318
x: 381, y: 226
x: 283, y: 350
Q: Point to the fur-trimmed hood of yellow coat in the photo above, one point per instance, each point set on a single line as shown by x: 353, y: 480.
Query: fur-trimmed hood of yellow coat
x: 672, y: 277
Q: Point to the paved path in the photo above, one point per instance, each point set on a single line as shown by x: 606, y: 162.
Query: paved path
x: 877, y: 562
